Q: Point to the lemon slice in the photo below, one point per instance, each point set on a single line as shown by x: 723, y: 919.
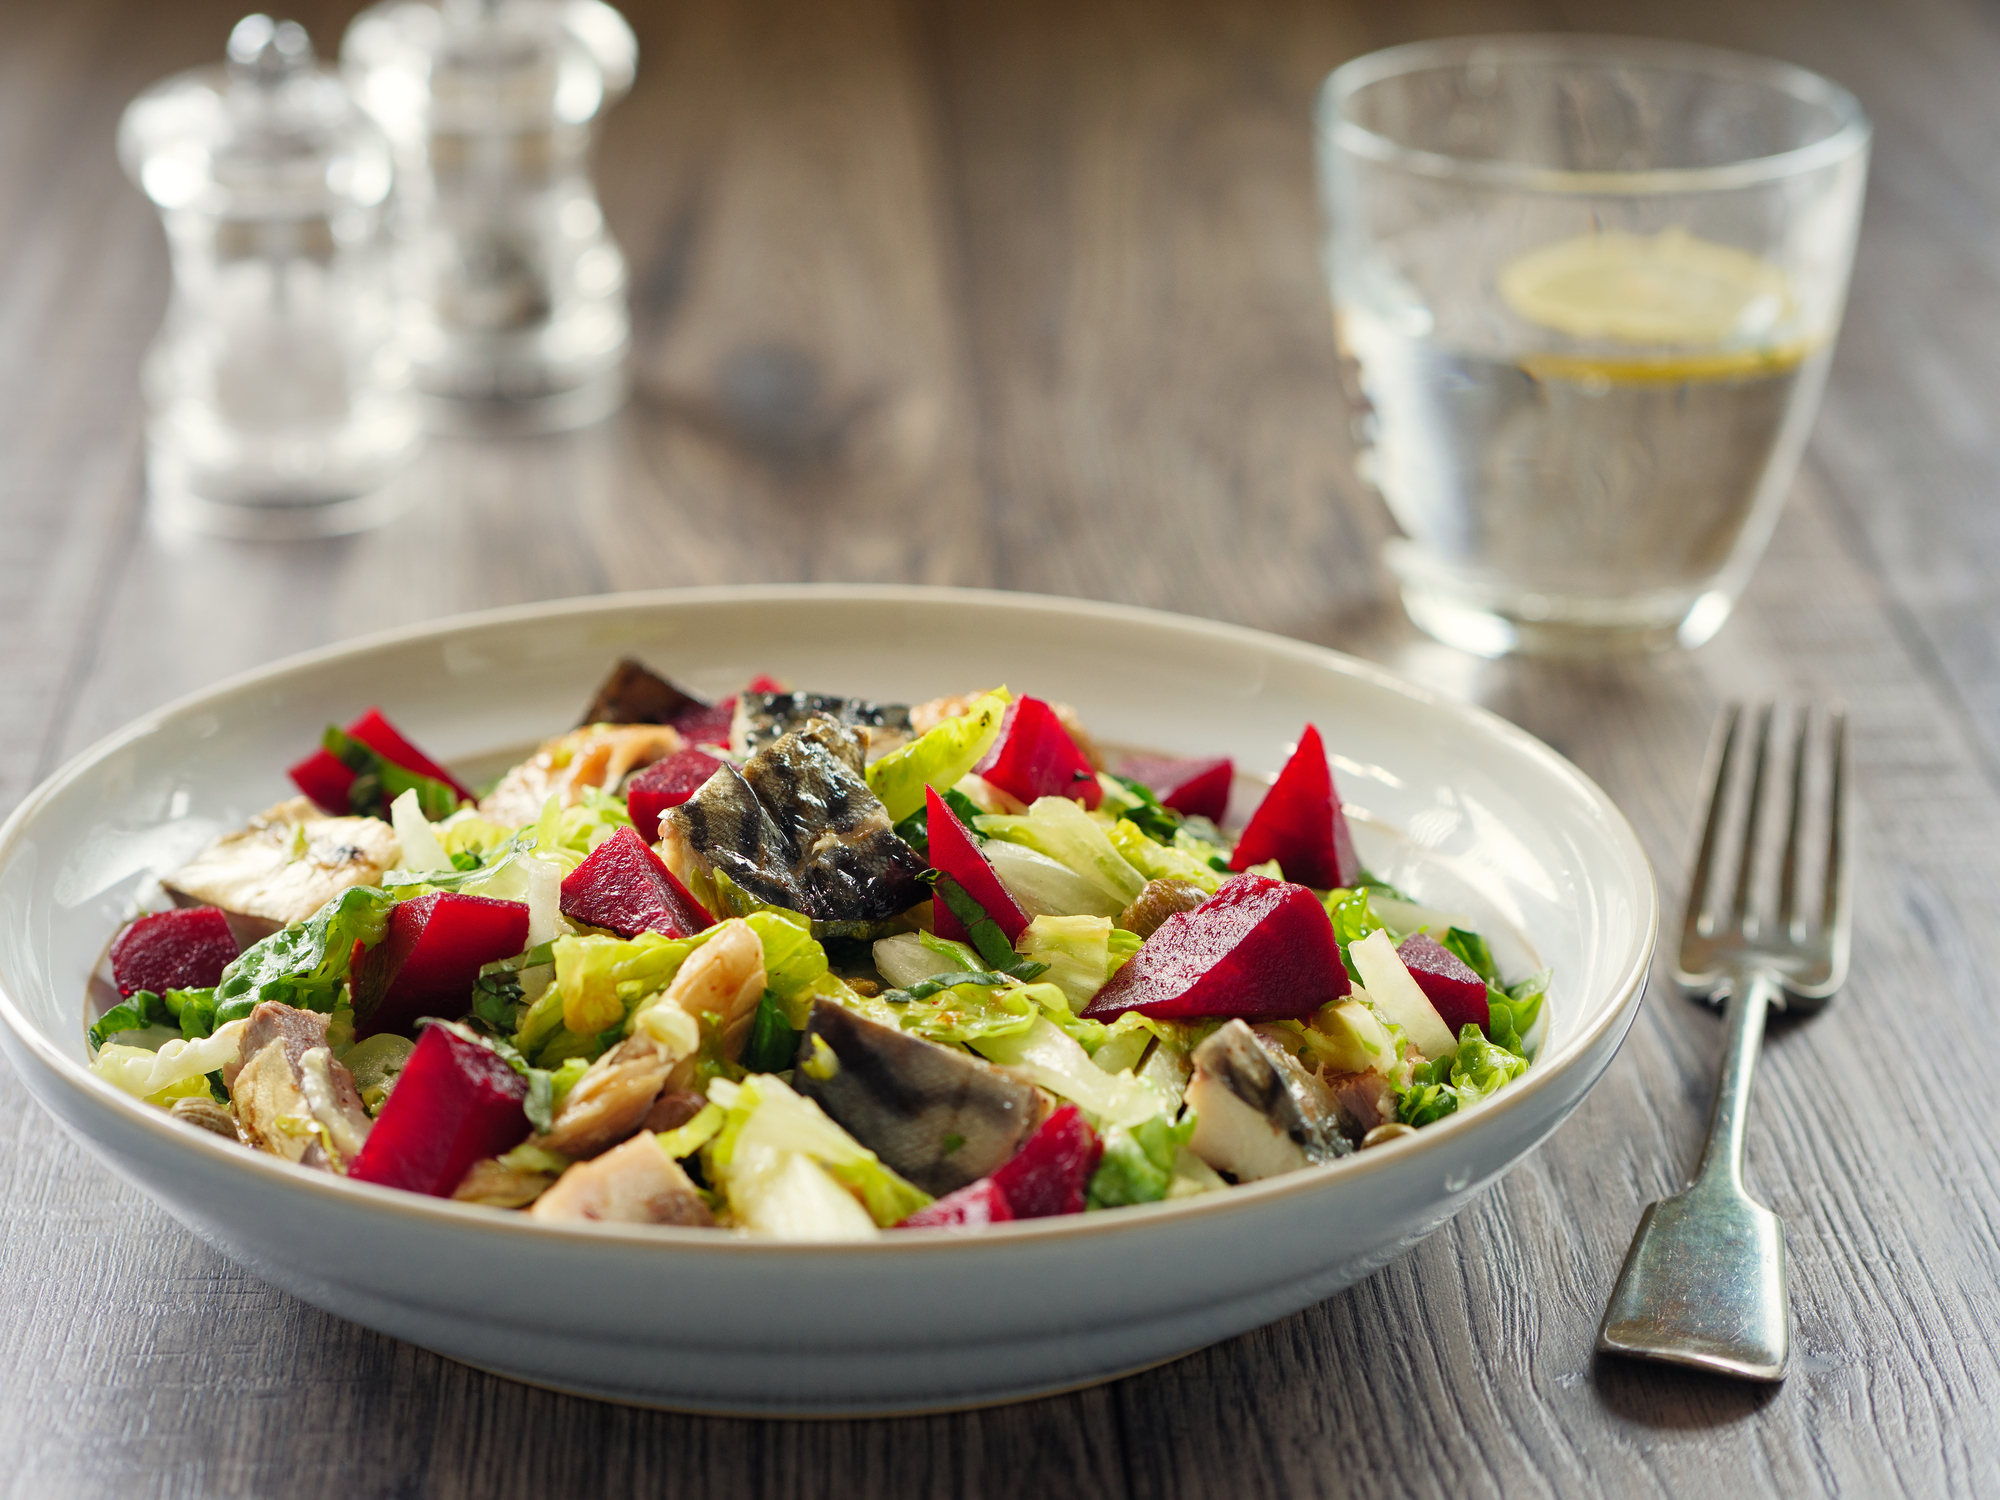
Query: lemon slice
x: 1667, y: 289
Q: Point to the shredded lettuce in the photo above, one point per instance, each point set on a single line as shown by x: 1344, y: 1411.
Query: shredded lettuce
x: 179, y: 1069
x: 376, y: 1065
x: 1476, y: 1070
x: 421, y: 849
x: 603, y: 983
x: 911, y: 957
x: 978, y: 1006
x: 937, y: 758
x: 1511, y: 1012
x: 305, y: 965
x: 1138, y: 1162
x: 1062, y: 830
x: 1157, y: 861
x: 1059, y: 1064
x: 567, y: 835
x: 1042, y: 886
x: 765, y: 1121
x: 1075, y: 951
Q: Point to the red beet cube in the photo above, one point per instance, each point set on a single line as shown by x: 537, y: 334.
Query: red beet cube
x: 762, y: 684
x: 1035, y: 757
x: 1260, y: 949
x: 973, y: 1206
x: 456, y: 1103
x: 1300, y: 824
x: 323, y: 777
x: 953, y: 853
x: 1451, y: 985
x: 173, y: 950
x: 1049, y: 1174
x: 626, y: 887
x: 665, y: 784
x: 1196, y: 788
x: 427, y: 962
x: 707, y: 726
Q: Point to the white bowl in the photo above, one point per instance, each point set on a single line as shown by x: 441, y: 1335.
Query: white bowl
x: 1464, y: 809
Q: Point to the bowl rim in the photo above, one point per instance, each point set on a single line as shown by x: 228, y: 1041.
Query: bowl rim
x: 445, y: 1214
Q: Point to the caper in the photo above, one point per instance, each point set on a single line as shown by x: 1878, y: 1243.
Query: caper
x: 1158, y: 901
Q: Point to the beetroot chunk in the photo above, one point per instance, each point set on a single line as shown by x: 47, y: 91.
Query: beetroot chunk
x: 173, y: 950
x: 1048, y: 1175
x: 1195, y: 788
x: 456, y: 1103
x: 427, y: 962
x: 1035, y: 757
x: 953, y: 853
x: 1300, y: 823
x: 666, y: 783
x: 627, y: 887
x: 322, y: 776
x: 1454, y: 990
x: 973, y: 1206
x: 707, y: 726
x: 1260, y: 949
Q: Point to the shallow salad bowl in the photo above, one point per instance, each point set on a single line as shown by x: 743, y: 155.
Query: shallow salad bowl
x: 1465, y: 811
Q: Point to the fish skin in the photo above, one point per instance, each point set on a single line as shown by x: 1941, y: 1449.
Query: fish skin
x: 849, y: 863
x: 723, y: 827
x: 798, y: 827
x: 763, y: 718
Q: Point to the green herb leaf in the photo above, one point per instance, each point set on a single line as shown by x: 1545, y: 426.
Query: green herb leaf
x: 985, y: 932
x: 772, y: 1044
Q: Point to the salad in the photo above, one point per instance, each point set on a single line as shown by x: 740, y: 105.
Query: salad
x: 805, y: 966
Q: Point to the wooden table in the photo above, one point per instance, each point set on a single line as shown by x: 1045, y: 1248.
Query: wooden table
x: 1027, y: 295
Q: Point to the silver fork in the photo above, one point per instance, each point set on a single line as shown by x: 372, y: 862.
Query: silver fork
x: 1704, y: 1281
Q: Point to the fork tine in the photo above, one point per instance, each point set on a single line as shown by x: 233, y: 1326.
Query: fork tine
x: 1697, y: 898
x: 1788, y: 872
x: 1834, y: 900
x: 1752, y: 817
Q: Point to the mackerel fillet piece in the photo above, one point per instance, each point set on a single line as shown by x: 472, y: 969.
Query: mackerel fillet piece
x: 763, y: 717
x: 796, y: 827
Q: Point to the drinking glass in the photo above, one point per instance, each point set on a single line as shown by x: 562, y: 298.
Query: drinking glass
x: 1585, y: 291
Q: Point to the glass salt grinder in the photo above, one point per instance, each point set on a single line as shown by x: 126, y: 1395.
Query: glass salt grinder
x: 515, y: 294
x: 278, y: 400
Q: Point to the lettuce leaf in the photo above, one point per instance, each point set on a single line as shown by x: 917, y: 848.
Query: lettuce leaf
x: 1353, y: 920
x: 1138, y: 1162
x: 1472, y: 951
x: 140, y: 1009
x: 1075, y: 952
x: 1062, y: 830
x: 1477, y: 1069
x: 1511, y: 1012
x: 763, y: 1115
x: 306, y: 965
x: 178, y: 1069
x: 1157, y: 861
x: 1059, y: 1064
x: 937, y: 758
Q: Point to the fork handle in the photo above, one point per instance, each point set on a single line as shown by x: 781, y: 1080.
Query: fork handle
x: 1751, y: 997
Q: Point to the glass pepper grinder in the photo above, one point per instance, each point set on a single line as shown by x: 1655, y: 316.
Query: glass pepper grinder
x: 515, y: 293
x: 278, y: 400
